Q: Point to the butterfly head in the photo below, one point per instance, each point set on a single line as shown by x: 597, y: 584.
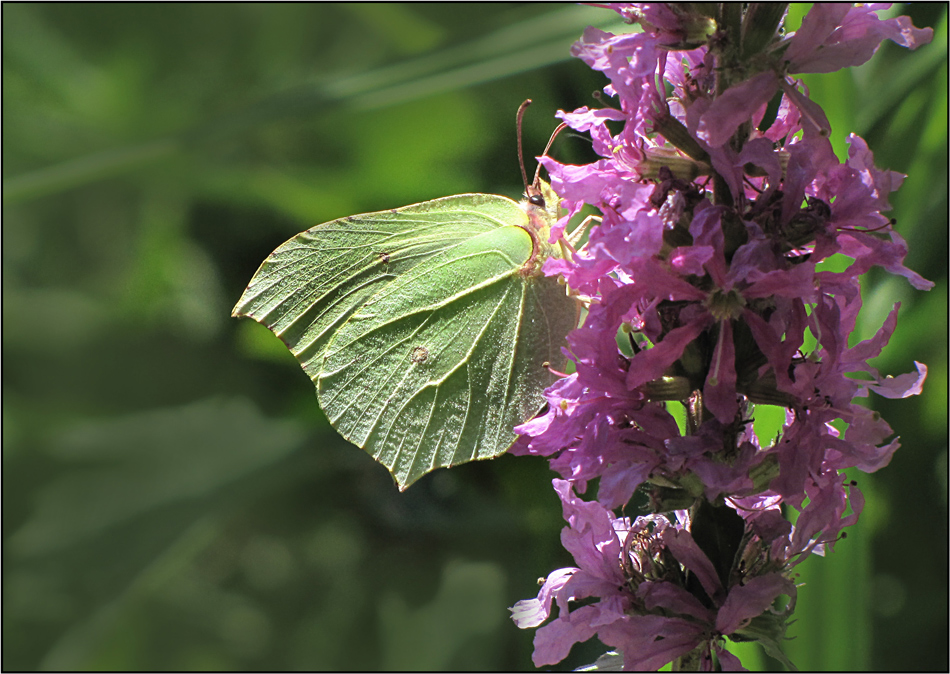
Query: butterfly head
x: 542, y: 204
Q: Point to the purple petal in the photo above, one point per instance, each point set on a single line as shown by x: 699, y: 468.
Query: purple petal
x: 736, y: 105
x: 719, y: 394
x: 689, y: 554
x: 839, y: 35
x: 750, y: 600
x: 532, y: 612
x: 652, y: 363
x: 672, y: 598
x: 903, y: 385
x: 553, y: 642
x: 649, y: 642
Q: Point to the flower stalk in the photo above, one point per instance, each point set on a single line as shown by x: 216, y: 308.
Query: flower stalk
x: 716, y: 219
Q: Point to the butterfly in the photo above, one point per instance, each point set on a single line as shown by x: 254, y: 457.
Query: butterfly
x: 429, y: 331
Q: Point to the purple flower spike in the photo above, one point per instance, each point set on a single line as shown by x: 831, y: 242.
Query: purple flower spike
x: 705, y: 283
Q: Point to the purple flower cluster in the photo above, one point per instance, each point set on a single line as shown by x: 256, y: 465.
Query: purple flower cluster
x: 707, y: 292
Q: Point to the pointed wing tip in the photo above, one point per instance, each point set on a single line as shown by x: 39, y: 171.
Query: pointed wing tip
x: 404, y: 481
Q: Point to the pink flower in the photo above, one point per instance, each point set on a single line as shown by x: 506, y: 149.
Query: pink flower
x: 840, y: 35
x: 704, y: 276
x: 639, y: 572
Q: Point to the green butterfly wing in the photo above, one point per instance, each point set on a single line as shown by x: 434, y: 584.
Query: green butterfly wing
x: 426, y: 328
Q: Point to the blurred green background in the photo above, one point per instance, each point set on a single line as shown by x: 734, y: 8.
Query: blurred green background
x: 172, y: 496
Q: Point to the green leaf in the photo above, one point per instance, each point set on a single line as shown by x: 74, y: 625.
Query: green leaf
x: 427, y: 329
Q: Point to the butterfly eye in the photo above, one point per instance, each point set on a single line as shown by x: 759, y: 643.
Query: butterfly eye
x: 536, y: 200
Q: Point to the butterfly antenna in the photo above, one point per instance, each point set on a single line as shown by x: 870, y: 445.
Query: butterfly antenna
x: 537, y: 173
x: 521, y: 109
